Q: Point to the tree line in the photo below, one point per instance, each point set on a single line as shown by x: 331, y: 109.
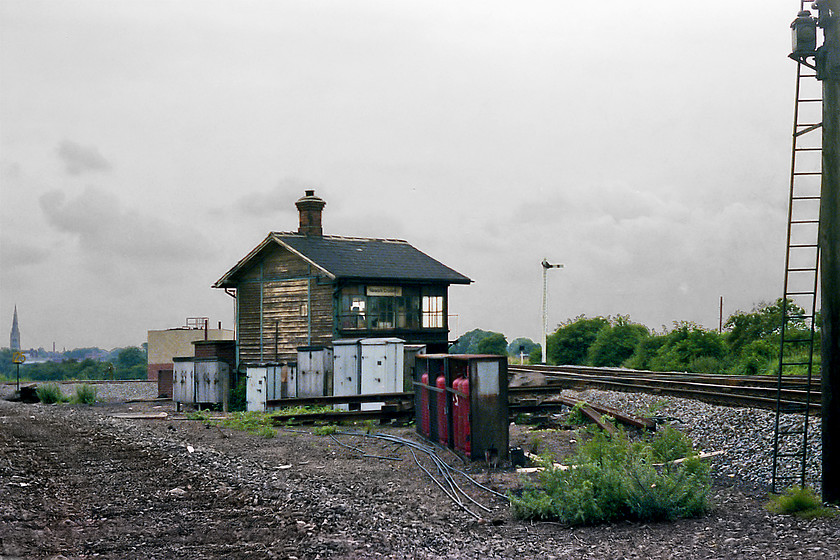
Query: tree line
x: 120, y: 363
x: 748, y: 345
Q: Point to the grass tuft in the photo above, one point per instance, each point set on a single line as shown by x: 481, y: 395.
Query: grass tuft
x: 85, y: 394
x: 50, y: 393
x: 800, y: 501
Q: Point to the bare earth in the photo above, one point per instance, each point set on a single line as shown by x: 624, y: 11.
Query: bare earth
x: 76, y: 482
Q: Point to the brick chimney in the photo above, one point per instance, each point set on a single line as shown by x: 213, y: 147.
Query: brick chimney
x: 310, y: 208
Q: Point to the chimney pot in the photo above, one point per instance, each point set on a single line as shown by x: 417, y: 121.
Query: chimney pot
x: 310, y: 208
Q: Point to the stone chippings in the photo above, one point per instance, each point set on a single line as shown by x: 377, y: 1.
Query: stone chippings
x: 234, y: 500
x: 744, y: 434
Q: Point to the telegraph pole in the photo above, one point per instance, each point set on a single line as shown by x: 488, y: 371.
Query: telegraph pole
x: 545, y: 267
x: 828, y: 71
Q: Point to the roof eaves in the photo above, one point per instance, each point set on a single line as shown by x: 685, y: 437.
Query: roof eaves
x: 244, y: 261
x: 220, y: 283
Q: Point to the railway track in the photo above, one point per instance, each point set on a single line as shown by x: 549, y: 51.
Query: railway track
x: 730, y: 390
x: 545, y: 383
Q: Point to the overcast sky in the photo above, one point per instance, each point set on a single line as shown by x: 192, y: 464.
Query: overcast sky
x: 146, y: 146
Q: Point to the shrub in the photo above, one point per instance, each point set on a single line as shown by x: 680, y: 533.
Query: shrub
x: 535, y: 355
x: 85, y: 394
x: 670, y: 444
x: 611, y: 478
x: 669, y: 493
x: 686, y: 343
x: 50, y: 393
x: 801, y: 502
x: 494, y: 343
x: 237, y: 399
x: 570, y: 343
x: 615, y: 343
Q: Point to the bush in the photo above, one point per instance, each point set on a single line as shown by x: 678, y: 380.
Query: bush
x: 670, y: 444
x: 85, y: 394
x: 495, y: 343
x: 237, y: 399
x: 50, y: 393
x: 569, y: 344
x: 615, y: 343
x: 468, y: 342
x: 535, y: 355
x: 609, y: 479
x: 686, y: 343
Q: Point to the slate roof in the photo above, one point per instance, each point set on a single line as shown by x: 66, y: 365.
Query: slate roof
x: 355, y: 258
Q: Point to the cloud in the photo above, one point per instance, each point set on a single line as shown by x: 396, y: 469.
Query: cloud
x: 279, y: 200
x: 81, y: 159
x: 107, y: 231
x: 13, y: 254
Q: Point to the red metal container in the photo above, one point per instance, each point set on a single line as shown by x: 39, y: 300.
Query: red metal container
x: 425, y: 420
x: 443, y: 430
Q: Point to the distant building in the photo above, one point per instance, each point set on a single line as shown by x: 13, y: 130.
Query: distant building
x: 304, y: 288
x: 14, y: 339
x: 165, y: 345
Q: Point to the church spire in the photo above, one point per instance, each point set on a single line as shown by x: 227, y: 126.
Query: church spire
x: 14, y: 339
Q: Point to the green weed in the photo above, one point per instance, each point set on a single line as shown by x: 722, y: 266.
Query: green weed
x: 670, y: 444
x: 327, y: 430
x: 236, y: 402
x: 576, y: 416
x: 201, y: 416
x: 612, y: 478
x: 801, y: 502
x: 85, y: 394
x: 655, y: 408
x: 50, y: 393
x: 534, y: 443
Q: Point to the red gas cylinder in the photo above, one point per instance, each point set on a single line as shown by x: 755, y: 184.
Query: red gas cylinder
x: 443, y: 430
x: 457, y: 405
x: 465, y: 415
x: 425, y: 420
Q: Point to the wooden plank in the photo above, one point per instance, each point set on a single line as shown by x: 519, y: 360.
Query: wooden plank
x: 622, y: 417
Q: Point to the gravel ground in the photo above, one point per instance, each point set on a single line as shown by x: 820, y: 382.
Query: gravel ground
x: 78, y: 482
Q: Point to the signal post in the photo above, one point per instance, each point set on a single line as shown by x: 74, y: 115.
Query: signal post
x: 828, y: 71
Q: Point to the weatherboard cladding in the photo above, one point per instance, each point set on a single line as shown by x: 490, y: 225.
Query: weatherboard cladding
x: 352, y: 258
x: 284, y: 302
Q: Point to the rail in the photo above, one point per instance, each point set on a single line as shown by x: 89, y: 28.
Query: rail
x: 730, y: 390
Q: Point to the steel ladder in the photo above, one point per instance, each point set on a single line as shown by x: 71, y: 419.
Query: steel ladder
x: 799, y: 308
